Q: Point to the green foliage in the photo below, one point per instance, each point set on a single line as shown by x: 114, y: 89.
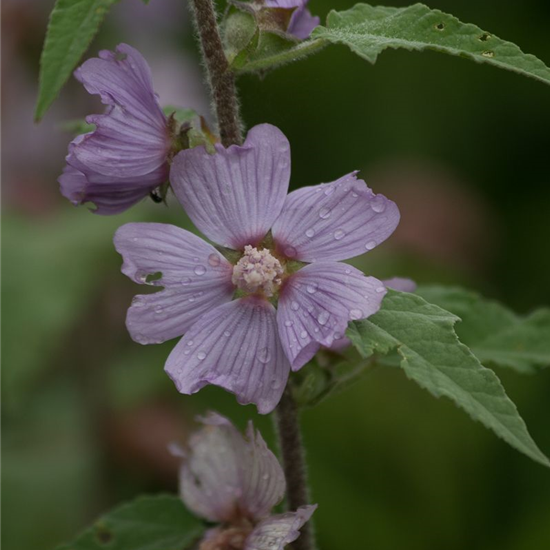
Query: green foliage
x: 73, y: 24
x: 495, y: 334
x: 368, y: 30
x: 148, y: 523
x: 432, y: 355
x: 77, y: 126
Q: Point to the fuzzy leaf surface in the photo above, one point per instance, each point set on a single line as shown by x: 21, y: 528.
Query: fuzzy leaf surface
x: 432, y: 355
x: 72, y: 26
x: 495, y: 334
x: 148, y: 523
x: 368, y: 30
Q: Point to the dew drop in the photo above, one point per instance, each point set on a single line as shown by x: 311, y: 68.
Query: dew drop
x: 329, y: 190
x: 264, y: 356
x: 337, y: 336
x: 201, y: 355
x: 200, y: 270
x: 137, y: 302
x: 378, y: 204
x: 322, y: 318
x: 312, y: 288
x: 303, y: 334
x: 339, y: 234
x: 381, y: 289
x: 214, y: 260
x: 348, y: 271
x: 290, y: 252
x: 324, y: 213
x: 294, y: 306
x: 370, y: 245
x: 190, y: 343
x: 288, y: 323
x: 355, y: 314
x: 187, y: 352
x: 310, y: 233
x: 186, y: 281
x: 227, y: 334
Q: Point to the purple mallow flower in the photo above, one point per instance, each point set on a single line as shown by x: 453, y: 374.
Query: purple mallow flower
x: 125, y: 157
x: 301, y: 22
x: 235, y: 197
x: 235, y: 481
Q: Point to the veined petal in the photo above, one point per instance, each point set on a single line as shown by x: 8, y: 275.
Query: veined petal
x: 302, y: 22
x: 235, y: 195
x: 196, y: 277
x: 131, y: 138
x: 317, y: 303
x: 235, y: 346
x: 224, y: 475
x: 401, y: 284
x: 334, y: 221
x: 276, y: 532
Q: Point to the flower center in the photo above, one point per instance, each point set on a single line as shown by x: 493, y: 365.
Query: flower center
x: 257, y: 271
x: 231, y: 538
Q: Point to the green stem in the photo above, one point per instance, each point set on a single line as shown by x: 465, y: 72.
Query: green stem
x: 301, y: 50
x: 294, y: 464
x: 220, y: 76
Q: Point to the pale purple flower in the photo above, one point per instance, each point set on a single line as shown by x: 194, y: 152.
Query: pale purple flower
x: 301, y: 22
x: 235, y: 197
x: 236, y: 481
x: 125, y: 157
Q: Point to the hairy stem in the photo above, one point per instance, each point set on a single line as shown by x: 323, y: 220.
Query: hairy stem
x: 220, y: 77
x: 294, y: 464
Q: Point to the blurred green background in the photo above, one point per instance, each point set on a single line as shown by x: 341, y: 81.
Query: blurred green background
x: 462, y: 148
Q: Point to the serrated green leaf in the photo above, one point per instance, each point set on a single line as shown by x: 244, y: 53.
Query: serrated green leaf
x: 368, y: 30
x: 148, y: 523
x: 432, y: 355
x: 72, y: 26
x: 495, y: 334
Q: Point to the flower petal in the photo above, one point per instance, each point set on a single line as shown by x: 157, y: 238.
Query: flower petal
x: 276, y: 532
x: 401, y: 284
x: 196, y: 277
x: 223, y: 474
x: 334, y: 221
x: 302, y: 22
x: 317, y: 303
x: 132, y: 138
x: 235, y: 195
x: 235, y: 346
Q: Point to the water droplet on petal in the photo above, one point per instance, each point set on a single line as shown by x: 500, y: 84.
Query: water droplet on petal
x: 378, y: 204
x: 290, y: 252
x: 214, y: 260
x: 355, y: 314
x: 339, y: 234
x: 310, y: 233
x: 227, y: 334
x: 294, y: 306
x: 370, y: 245
x: 190, y: 343
x: 201, y: 355
x: 186, y: 281
x: 324, y: 213
x: 264, y: 355
x: 312, y: 288
x: 337, y: 336
x: 322, y: 318
x: 303, y: 334
x: 381, y: 289
x: 200, y: 270
x: 329, y: 190
x: 288, y: 323
x: 137, y: 302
